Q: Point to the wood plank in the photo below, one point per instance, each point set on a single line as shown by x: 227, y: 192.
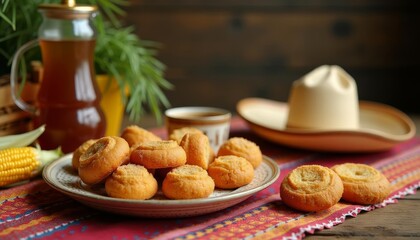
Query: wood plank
x: 396, y: 221
x: 218, y: 52
x: 274, y: 4
x: 296, y: 39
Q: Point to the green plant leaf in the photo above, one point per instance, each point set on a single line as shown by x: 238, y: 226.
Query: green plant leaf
x: 119, y: 52
x: 7, y: 20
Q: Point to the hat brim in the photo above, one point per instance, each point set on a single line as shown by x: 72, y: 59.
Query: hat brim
x: 381, y: 127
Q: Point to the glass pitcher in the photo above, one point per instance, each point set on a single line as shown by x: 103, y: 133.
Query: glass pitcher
x: 68, y: 100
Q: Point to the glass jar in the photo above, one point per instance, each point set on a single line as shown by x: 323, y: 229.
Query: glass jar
x: 68, y: 100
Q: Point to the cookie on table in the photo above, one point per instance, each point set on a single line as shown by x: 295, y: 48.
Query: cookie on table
x: 187, y: 182
x: 242, y: 147
x: 134, y: 135
x: 131, y: 181
x: 363, y: 184
x: 102, y: 158
x: 311, y: 188
x: 198, y: 150
x: 179, y: 133
x: 79, y: 151
x: 158, y: 154
x: 231, y: 171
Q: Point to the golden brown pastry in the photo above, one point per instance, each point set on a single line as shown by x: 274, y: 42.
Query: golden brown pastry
x: 198, y: 150
x: 131, y: 181
x: 159, y: 154
x: 134, y: 135
x: 231, y: 172
x: 242, y: 147
x: 311, y: 188
x: 179, y: 133
x: 363, y: 184
x: 102, y: 158
x: 187, y: 182
x: 79, y: 151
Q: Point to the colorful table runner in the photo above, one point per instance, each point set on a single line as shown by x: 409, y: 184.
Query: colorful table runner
x: 35, y: 210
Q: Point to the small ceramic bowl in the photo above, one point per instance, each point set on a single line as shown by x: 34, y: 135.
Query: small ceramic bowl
x: 214, y: 122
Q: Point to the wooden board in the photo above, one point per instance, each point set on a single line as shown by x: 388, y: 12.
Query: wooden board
x: 218, y: 52
x: 396, y: 221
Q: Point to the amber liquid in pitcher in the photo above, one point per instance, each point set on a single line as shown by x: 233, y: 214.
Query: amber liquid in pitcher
x: 68, y: 98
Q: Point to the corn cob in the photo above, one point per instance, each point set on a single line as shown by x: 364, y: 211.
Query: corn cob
x: 21, y: 140
x: 23, y: 163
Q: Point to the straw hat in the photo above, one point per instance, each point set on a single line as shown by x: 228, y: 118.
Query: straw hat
x: 323, y: 113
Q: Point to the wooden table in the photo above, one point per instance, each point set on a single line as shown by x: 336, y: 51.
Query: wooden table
x: 401, y: 220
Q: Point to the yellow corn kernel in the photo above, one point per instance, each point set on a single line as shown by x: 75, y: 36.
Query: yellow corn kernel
x: 17, y: 164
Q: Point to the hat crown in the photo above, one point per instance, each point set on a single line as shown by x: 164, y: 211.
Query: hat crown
x: 325, y: 98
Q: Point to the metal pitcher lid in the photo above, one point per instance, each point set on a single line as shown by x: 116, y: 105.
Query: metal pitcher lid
x: 68, y: 9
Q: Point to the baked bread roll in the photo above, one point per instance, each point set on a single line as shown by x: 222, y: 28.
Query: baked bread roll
x: 79, y: 151
x: 311, y: 188
x: 179, y: 133
x: 135, y: 135
x: 102, y: 158
x: 187, y: 182
x: 363, y: 184
x: 159, y: 154
x: 198, y: 150
x: 131, y: 181
x: 231, y: 172
x: 242, y: 147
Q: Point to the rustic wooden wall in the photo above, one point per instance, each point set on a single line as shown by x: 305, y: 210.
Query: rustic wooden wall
x: 220, y: 51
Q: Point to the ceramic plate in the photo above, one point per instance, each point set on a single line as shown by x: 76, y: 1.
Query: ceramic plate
x: 381, y: 127
x: 63, y: 178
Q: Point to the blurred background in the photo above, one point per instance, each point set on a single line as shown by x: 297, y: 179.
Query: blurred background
x: 218, y: 52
